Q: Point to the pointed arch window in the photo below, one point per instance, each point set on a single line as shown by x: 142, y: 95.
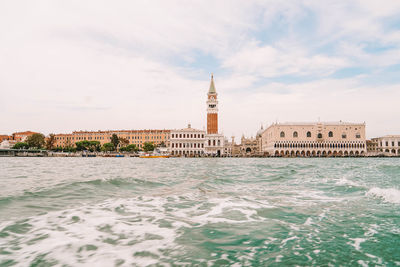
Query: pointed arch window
x: 319, y: 135
x: 330, y: 134
x: 282, y: 134
x: 308, y: 134
x: 295, y: 134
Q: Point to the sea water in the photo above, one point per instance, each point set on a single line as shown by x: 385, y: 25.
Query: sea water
x: 199, y: 212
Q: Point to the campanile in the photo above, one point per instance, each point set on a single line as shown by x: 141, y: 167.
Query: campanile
x: 212, y: 109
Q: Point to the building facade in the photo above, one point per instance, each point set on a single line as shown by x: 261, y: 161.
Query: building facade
x: 5, y: 137
x: 187, y: 142
x: 137, y: 137
x: 214, y: 145
x: 22, y: 136
x: 389, y: 145
x: 319, y: 139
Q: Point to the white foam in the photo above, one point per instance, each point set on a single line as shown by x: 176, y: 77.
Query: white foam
x: 344, y: 181
x: 309, y: 221
x: 357, y: 243
x: 124, y: 229
x: 391, y: 195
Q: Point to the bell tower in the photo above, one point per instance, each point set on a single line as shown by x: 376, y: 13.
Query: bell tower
x: 212, y: 109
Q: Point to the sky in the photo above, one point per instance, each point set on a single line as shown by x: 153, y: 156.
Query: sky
x: 99, y: 65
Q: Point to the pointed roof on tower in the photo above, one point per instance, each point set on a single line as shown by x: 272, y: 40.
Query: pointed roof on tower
x: 212, y: 86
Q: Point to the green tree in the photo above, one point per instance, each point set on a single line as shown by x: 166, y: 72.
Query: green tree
x: 148, y: 146
x: 123, y: 141
x: 94, y: 146
x: 36, y: 140
x: 21, y: 145
x: 162, y: 144
x: 115, y: 140
x: 88, y: 145
x: 129, y: 148
x: 108, y: 147
x: 50, y: 141
x: 82, y: 145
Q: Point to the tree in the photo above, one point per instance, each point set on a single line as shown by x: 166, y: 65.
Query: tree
x: 36, y: 140
x: 50, y: 141
x: 162, y: 144
x: 21, y: 145
x: 108, y: 147
x: 148, y: 146
x: 94, y: 146
x: 82, y: 145
x: 129, y: 148
x: 88, y: 145
x: 115, y: 140
x: 123, y: 141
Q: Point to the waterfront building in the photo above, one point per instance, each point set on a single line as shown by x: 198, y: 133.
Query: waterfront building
x: 214, y: 145
x: 137, y: 137
x: 249, y: 147
x: 7, y: 144
x: 389, y: 145
x: 187, y: 142
x: 316, y: 139
x: 228, y: 146
x: 22, y: 136
x: 5, y: 137
x: 372, y: 147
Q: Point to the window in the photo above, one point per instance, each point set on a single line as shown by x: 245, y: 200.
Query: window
x: 344, y: 136
x: 308, y: 134
x: 319, y: 135
x: 398, y: 143
x: 387, y: 143
x: 330, y: 134
x: 358, y: 135
x: 282, y: 134
x: 393, y: 143
x: 295, y: 134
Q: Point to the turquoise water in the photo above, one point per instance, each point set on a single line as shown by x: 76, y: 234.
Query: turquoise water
x: 200, y: 212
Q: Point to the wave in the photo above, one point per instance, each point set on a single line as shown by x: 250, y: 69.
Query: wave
x: 391, y: 195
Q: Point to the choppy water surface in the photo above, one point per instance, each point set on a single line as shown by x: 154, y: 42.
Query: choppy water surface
x: 203, y: 212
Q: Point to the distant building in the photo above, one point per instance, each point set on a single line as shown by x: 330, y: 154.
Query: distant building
x: 372, y: 147
x: 317, y: 139
x: 187, y: 142
x: 228, y: 146
x: 22, y: 136
x: 7, y: 144
x: 5, y: 137
x: 249, y: 147
x: 389, y: 145
x: 214, y: 145
x: 137, y: 137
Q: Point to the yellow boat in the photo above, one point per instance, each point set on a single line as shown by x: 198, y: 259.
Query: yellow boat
x: 157, y: 153
x: 153, y: 156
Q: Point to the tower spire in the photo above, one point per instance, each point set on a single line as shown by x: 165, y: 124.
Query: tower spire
x: 212, y: 86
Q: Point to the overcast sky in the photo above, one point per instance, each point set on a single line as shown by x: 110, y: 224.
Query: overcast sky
x: 91, y: 65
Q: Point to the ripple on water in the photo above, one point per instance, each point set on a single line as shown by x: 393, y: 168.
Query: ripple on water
x: 248, y: 212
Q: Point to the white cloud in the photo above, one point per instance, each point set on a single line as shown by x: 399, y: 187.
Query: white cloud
x: 268, y: 61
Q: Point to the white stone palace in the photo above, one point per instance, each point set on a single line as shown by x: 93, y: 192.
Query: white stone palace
x: 316, y: 139
x: 187, y: 142
x: 388, y: 145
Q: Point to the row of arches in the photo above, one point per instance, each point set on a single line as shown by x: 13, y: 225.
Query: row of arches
x: 319, y: 145
x: 393, y: 151
x: 319, y: 135
x: 318, y: 153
